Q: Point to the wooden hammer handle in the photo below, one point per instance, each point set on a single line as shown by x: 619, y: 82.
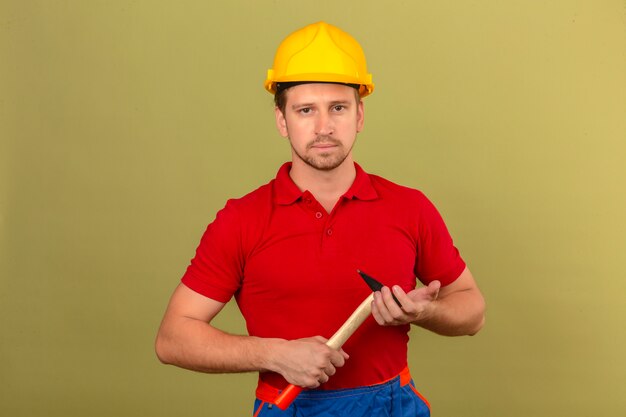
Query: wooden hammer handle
x: 286, y: 397
x: 349, y: 326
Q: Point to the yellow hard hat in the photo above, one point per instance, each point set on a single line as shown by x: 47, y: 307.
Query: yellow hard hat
x: 320, y: 52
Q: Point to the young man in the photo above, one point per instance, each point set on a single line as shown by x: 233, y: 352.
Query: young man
x: 289, y: 252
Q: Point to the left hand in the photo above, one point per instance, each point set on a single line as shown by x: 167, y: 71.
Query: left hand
x: 417, y: 305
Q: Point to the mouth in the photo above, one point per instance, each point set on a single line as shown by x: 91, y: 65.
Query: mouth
x: 327, y: 144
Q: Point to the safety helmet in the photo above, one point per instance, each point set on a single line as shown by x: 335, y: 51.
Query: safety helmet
x: 320, y: 52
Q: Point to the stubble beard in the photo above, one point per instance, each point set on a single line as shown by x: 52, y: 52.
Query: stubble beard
x: 324, y: 161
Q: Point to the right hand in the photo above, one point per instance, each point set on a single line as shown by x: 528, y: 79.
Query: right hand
x: 308, y: 362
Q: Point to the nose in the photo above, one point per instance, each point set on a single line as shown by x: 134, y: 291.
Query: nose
x: 324, y: 124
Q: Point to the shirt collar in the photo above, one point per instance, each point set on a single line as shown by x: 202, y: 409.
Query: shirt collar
x: 362, y: 187
x: 287, y: 192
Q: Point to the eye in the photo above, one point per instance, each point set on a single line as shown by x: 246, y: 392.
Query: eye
x: 339, y: 107
x: 305, y: 110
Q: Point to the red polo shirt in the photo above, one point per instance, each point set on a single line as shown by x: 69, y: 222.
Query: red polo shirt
x: 292, y: 266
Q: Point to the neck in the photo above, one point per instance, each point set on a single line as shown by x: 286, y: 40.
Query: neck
x: 326, y: 186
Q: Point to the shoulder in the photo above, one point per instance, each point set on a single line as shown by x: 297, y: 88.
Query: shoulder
x: 244, y: 211
x: 255, y: 199
x: 264, y: 197
x: 410, y: 204
x: 241, y: 221
x: 387, y: 189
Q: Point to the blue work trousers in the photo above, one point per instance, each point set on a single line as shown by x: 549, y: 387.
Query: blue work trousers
x: 394, y: 398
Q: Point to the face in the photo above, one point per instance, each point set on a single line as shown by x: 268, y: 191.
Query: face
x: 321, y: 122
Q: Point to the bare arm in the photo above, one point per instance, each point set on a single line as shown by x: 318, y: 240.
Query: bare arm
x: 187, y: 339
x: 455, y: 310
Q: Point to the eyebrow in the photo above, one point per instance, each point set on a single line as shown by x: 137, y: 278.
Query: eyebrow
x: 332, y: 103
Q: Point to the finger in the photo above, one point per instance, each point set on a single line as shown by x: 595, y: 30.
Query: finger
x: 382, y: 308
x: 394, y: 310
x: 337, y: 359
x: 323, y: 378
x: 313, y: 384
x: 330, y: 370
x: 401, y: 296
x: 427, y: 293
x: 312, y: 381
x: 376, y: 314
x: 408, y: 307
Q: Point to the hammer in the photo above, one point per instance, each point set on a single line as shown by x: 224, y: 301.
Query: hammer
x: 286, y: 397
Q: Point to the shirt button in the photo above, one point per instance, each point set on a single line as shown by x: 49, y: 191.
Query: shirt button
x: 329, y: 232
x: 319, y: 214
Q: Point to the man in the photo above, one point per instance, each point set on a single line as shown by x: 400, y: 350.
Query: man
x: 289, y: 252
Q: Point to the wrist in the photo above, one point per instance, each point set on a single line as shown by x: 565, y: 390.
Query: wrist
x: 270, y: 354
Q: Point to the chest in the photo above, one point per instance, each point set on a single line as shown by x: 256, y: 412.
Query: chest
x: 305, y: 259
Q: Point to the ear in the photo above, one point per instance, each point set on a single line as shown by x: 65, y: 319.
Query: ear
x: 360, y: 116
x: 281, y: 122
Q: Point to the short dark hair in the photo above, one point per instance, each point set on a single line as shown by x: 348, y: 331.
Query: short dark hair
x: 280, y: 98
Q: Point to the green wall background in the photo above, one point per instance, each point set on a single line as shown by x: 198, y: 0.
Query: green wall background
x: 125, y: 125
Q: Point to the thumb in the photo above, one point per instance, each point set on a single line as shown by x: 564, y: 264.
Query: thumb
x: 433, y: 289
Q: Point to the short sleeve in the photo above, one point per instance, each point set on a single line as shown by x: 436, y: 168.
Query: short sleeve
x: 217, y: 268
x: 437, y: 257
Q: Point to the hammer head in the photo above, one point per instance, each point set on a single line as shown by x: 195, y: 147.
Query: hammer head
x: 375, y: 285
